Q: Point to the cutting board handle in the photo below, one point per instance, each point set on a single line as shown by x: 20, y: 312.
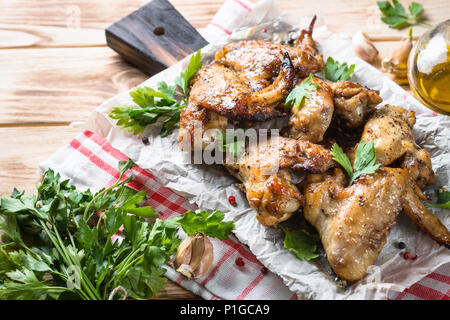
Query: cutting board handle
x: 154, y: 37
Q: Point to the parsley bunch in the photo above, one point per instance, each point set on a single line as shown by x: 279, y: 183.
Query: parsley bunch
x: 56, y: 246
x: 365, y: 158
x: 155, y: 104
x: 397, y: 18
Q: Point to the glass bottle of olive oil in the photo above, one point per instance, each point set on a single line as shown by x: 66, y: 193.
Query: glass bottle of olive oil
x: 429, y: 68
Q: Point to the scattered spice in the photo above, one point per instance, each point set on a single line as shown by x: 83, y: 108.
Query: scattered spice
x: 414, y: 258
x: 407, y: 255
x: 240, y: 262
x: 145, y: 141
x: 232, y: 200
x: 264, y: 30
x: 401, y: 245
x: 264, y: 270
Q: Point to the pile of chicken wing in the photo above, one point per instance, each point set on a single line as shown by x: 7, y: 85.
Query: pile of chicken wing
x: 248, y: 83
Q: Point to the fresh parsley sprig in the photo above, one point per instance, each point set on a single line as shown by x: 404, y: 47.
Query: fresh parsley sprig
x: 62, y: 243
x: 301, y: 243
x: 156, y: 104
x: 301, y: 91
x: 336, y: 71
x: 443, y: 200
x: 396, y: 16
x: 365, y: 158
x: 232, y: 142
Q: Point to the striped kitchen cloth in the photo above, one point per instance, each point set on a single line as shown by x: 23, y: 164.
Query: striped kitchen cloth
x: 89, y: 161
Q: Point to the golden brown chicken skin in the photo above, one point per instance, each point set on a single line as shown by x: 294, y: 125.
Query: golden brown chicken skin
x: 353, y: 102
x: 311, y: 119
x: 195, y: 123
x: 257, y: 61
x: 264, y: 172
x: 391, y: 127
x: 220, y: 90
x: 354, y: 222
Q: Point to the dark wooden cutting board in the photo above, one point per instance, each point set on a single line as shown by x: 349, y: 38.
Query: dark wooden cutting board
x: 154, y: 37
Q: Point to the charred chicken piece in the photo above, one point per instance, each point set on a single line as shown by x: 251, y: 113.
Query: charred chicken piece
x: 257, y: 62
x: 353, y: 102
x: 266, y: 180
x: 354, y: 222
x: 310, y: 120
x: 220, y: 90
x: 392, y: 128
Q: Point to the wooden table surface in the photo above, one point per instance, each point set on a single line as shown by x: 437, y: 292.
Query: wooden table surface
x: 55, y: 68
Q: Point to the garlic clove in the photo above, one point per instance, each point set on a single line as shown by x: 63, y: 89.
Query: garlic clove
x: 363, y: 47
x: 396, y: 65
x: 194, y: 256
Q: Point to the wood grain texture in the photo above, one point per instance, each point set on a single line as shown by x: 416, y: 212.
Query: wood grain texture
x: 43, y: 23
x: 60, y: 85
x: 154, y: 37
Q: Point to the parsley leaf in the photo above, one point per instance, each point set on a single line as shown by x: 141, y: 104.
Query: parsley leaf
x: 156, y: 104
x: 396, y: 16
x: 211, y: 225
x: 237, y: 144
x: 335, y: 71
x: 364, y: 163
x: 301, y: 91
x: 443, y: 200
x: 301, y: 243
x: 195, y: 63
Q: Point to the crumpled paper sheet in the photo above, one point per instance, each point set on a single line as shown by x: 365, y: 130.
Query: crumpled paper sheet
x: 210, y: 186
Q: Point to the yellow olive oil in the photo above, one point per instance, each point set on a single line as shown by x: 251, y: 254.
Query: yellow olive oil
x: 434, y: 88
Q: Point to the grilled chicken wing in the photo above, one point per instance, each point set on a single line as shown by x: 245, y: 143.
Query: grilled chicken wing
x: 219, y: 89
x: 353, y: 102
x: 311, y: 120
x: 264, y: 172
x: 198, y: 127
x: 391, y: 127
x: 257, y: 62
x: 354, y: 222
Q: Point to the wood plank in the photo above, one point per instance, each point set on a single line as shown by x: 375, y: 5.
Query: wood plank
x: 60, y: 84
x: 24, y: 23
x: 25, y: 148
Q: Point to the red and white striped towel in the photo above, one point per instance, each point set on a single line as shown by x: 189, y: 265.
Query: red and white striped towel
x: 91, y: 162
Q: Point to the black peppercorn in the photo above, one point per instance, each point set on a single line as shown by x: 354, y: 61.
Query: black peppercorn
x: 401, y: 245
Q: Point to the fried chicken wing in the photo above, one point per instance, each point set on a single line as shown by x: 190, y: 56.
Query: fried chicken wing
x: 391, y: 127
x: 264, y: 172
x: 257, y: 61
x: 354, y: 222
x: 354, y: 102
x: 311, y: 120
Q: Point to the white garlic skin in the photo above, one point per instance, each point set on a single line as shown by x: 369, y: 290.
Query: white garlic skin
x: 363, y: 47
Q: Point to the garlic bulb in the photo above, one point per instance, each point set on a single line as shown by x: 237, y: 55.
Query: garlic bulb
x: 363, y: 47
x: 194, y: 256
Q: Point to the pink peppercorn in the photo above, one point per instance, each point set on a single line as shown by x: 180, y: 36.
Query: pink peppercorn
x: 240, y: 262
x: 232, y: 200
x: 406, y: 255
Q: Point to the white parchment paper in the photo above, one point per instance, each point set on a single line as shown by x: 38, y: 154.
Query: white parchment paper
x: 210, y: 186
